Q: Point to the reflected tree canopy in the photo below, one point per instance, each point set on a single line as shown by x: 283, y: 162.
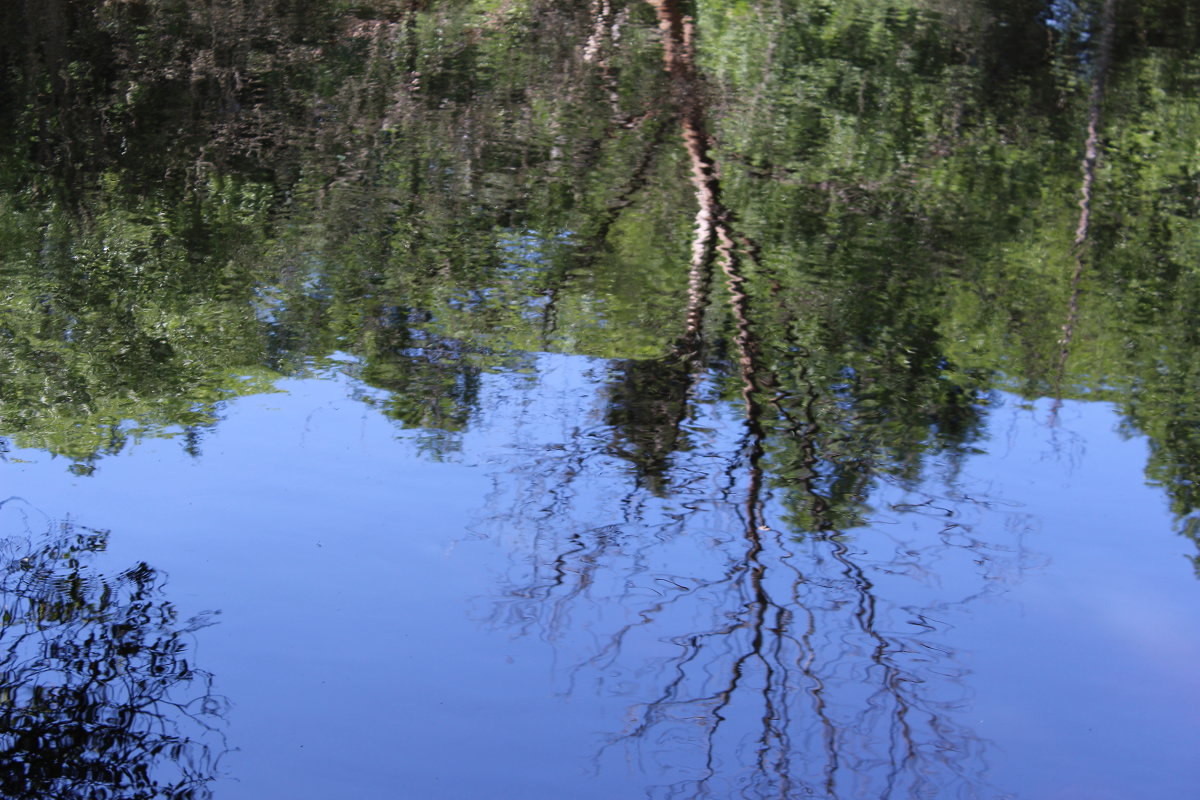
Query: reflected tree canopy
x: 200, y: 198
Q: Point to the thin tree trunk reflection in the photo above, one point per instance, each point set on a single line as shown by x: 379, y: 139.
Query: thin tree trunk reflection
x: 1091, y: 156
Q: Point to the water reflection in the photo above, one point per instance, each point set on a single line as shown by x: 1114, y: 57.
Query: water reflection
x: 647, y: 403
x: 197, y: 199
x: 372, y: 201
x: 753, y: 659
x: 98, y: 695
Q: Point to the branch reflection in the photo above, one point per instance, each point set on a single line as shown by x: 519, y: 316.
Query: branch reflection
x: 98, y: 695
x: 753, y: 660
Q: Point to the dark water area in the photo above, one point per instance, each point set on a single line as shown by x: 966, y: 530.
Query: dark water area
x: 511, y: 399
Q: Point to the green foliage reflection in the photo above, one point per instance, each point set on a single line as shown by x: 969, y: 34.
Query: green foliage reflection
x: 198, y: 198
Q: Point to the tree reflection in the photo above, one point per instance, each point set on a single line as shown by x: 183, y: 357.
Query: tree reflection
x: 98, y: 695
x: 780, y: 670
x: 430, y: 186
x: 754, y: 660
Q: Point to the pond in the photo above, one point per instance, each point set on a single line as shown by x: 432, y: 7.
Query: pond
x: 599, y: 400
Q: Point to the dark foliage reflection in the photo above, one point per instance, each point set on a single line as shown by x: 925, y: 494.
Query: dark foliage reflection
x: 98, y: 694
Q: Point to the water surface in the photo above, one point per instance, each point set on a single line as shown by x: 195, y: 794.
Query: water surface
x: 477, y: 400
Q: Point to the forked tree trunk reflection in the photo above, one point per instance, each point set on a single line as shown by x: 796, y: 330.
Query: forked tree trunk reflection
x: 712, y: 226
x: 775, y: 634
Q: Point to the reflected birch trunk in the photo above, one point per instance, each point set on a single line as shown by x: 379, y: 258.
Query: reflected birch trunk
x: 770, y: 635
x: 1081, y: 246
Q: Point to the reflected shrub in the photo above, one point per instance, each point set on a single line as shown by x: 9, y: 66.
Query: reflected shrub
x: 98, y: 698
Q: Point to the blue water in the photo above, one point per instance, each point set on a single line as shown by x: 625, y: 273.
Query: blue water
x: 505, y: 613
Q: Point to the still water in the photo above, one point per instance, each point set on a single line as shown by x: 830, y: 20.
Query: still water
x: 528, y: 400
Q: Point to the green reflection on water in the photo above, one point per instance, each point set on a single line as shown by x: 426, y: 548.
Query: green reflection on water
x: 198, y: 199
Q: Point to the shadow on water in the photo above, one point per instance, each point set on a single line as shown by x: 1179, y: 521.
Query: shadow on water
x: 98, y: 693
